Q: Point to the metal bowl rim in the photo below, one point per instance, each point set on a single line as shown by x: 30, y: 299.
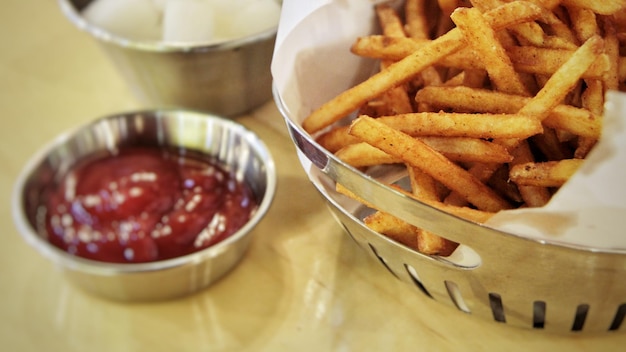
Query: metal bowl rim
x: 105, y: 268
x: 68, y: 9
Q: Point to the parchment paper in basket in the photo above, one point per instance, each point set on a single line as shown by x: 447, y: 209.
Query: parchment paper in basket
x: 312, y: 63
x: 590, y: 209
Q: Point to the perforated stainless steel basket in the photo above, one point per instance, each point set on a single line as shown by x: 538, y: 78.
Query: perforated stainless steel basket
x: 497, y: 276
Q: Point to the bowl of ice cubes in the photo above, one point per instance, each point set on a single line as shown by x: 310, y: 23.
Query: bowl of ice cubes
x: 210, y: 55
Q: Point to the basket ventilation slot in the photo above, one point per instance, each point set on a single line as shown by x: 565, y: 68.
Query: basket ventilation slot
x: 456, y: 297
x: 580, y: 317
x: 539, y: 314
x: 382, y: 260
x: 416, y: 280
x: 496, y: 307
x: 619, y: 317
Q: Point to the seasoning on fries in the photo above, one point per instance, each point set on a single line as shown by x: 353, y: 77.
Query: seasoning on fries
x: 490, y: 104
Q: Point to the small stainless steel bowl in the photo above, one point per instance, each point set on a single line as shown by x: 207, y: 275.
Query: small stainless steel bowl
x: 227, y: 78
x: 232, y: 144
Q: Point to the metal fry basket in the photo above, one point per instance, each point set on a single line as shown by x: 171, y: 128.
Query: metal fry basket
x: 498, y: 276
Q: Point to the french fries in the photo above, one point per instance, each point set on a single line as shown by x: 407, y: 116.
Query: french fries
x: 546, y: 174
x: 505, y: 101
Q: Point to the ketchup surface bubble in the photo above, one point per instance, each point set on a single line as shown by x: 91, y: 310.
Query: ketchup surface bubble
x: 144, y: 204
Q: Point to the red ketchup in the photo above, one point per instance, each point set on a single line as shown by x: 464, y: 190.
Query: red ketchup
x: 144, y: 204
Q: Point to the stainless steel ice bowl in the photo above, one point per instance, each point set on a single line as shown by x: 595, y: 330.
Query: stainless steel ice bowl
x: 226, y: 78
x: 228, y: 141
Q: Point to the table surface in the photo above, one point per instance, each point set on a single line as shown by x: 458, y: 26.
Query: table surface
x: 303, y: 284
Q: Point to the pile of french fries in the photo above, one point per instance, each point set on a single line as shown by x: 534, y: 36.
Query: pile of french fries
x: 490, y: 104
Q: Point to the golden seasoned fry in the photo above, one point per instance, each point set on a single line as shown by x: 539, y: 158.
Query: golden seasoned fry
x: 563, y: 80
x: 431, y: 244
x: 462, y: 149
x: 533, y: 195
x: 584, y: 22
x: 458, y: 149
x: 395, y: 100
x: 416, y: 20
x: 604, y: 7
x: 482, y: 39
x: 581, y: 122
x: 464, y: 125
x: 337, y: 138
x: 419, y: 155
x: 362, y: 154
x: 422, y: 185
x: 545, y: 174
x: 407, y: 68
x: 525, y: 59
x: 389, y: 20
x: 483, y: 172
x: 547, y: 61
x: 394, y: 228
x: 402, y: 232
x: 611, y: 44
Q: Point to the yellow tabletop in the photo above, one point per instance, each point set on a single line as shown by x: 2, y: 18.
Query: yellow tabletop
x: 303, y: 285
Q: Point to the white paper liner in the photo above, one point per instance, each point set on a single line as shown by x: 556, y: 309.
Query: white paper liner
x: 312, y: 63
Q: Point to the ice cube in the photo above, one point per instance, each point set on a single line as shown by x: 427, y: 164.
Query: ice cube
x: 160, y: 4
x: 255, y: 17
x: 227, y: 7
x: 135, y: 20
x: 188, y: 21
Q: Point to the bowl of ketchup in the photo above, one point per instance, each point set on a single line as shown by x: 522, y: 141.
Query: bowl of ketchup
x: 146, y: 205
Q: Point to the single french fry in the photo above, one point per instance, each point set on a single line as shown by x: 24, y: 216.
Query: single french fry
x: 362, y: 155
x: 604, y: 7
x: 423, y: 186
x: 416, y: 20
x: 533, y: 195
x: 501, y: 183
x: 525, y: 59
x: 547, y: 61
x: 418, y: 154
x: 580, y: 122
x: 458, y: 149
x: 585, y: 145
x: 431, y: 244
x: 407, y: 68
x: 612, y: 47
x: 464, y: 125
x: 532, y: 34
x: 336, y: 138
x: 402, y: 232
x: 593, y: 100
x: 584, y: 22
x: 389, y: 20
x: 482, y: 38
x: 463, y: 149
x: 482, y: 172
x: 394, y: 228
x: 545, y: 174
x: 396, y: 99
x: 563, y: 80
